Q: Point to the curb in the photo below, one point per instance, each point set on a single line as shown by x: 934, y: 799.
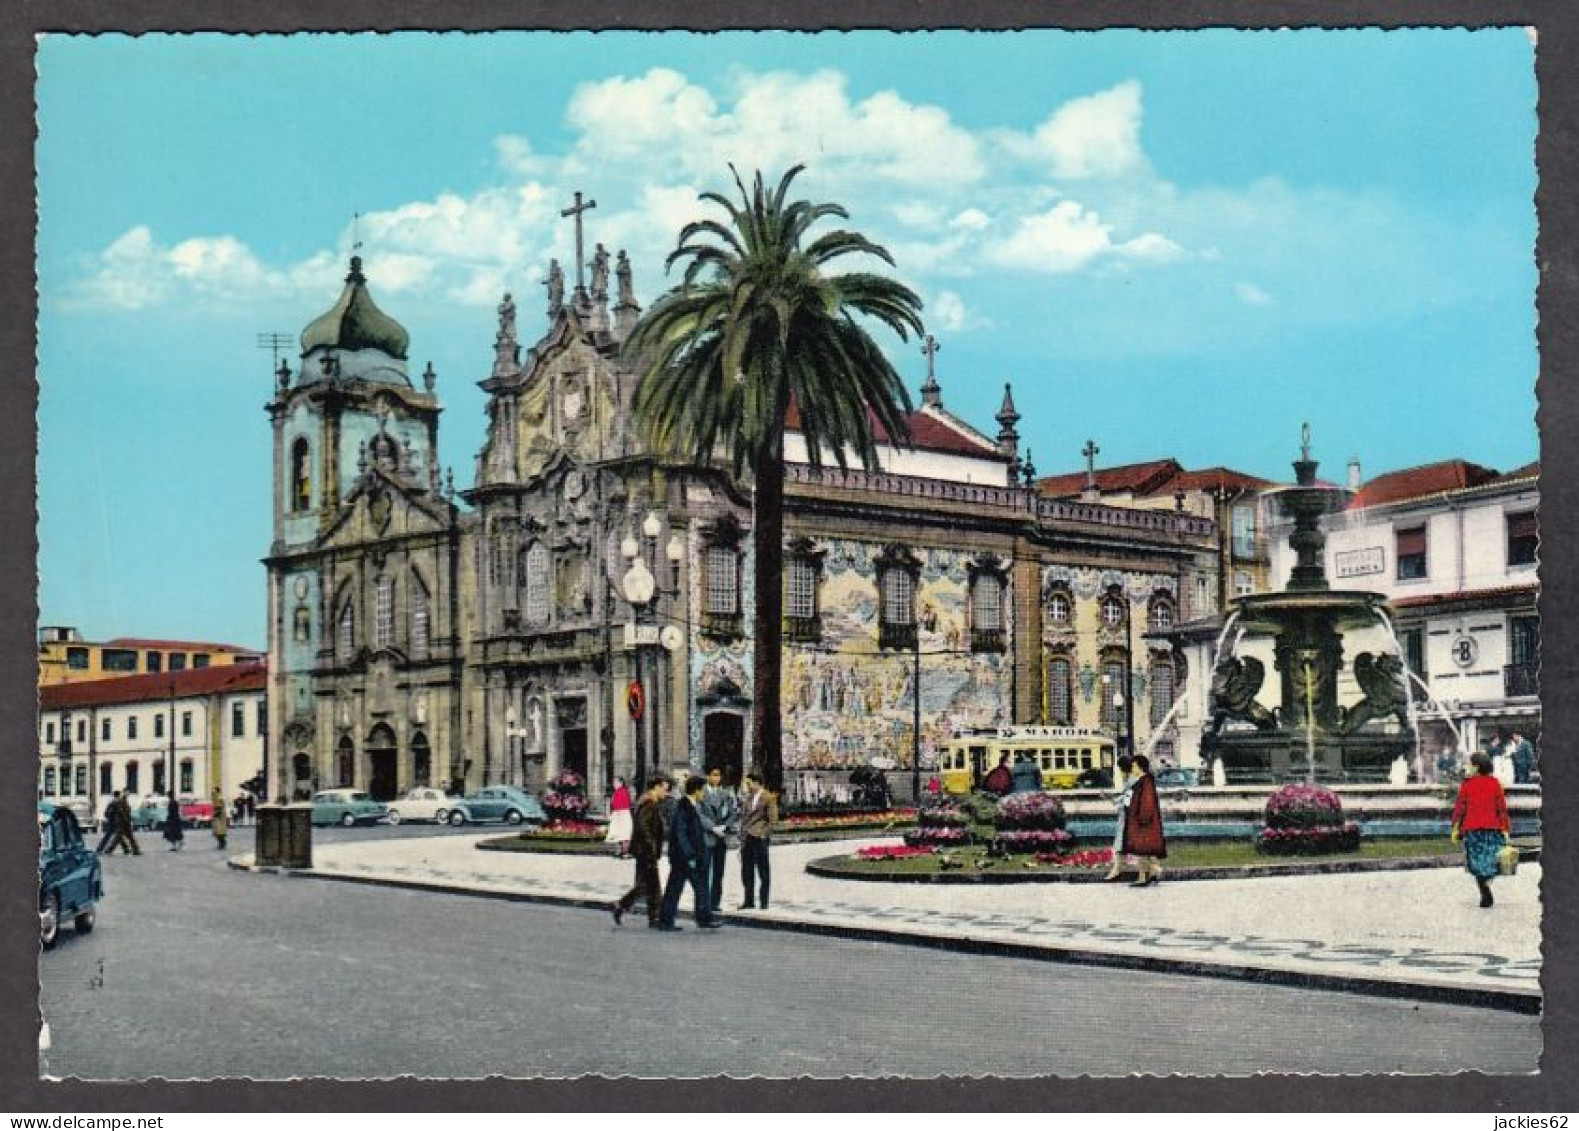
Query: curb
x: 1507, y: 1000
x: 1095, y: 876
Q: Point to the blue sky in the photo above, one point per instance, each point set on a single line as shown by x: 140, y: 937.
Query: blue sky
x: 1179, y: 244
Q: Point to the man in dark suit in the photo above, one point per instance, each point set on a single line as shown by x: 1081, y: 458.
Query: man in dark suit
x: 759, y: 812
x: 720, y: 810
x: 647, y: 837
x: 686, y: 864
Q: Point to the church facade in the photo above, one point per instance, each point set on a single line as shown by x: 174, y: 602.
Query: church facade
x: 583, y: 603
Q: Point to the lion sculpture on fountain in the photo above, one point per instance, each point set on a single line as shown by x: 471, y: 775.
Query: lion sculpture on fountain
x: 1382, y: 680
x: 1235, y: 682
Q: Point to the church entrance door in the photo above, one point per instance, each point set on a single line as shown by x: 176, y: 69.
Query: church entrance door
x: 723, y: 734
x: 572, y: 718
x: 381, y: 785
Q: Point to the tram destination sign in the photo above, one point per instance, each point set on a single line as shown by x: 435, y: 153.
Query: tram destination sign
x: 1357, y: 563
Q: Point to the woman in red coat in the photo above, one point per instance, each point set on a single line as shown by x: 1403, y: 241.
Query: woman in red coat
x: 1480, y: 822
x: 1143, y: 837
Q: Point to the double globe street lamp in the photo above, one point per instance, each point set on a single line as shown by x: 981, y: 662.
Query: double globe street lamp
x: 642, y: 589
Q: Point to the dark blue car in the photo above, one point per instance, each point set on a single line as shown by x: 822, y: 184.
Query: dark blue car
x: 70, y: 878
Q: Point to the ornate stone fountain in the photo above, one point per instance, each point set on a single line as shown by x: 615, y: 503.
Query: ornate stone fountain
x: 1311, y: 735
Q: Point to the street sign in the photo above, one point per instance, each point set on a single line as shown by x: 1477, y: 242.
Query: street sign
x: 637, y: 635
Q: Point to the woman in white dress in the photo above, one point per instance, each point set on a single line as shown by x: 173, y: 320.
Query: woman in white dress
x: 620, y: 818
x: 1125, y: 782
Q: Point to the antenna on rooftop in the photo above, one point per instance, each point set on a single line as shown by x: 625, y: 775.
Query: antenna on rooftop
x: 275, y: 343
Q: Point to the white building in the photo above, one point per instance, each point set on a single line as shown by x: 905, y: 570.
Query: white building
x: 203, y: 727
x: 1453, y: 547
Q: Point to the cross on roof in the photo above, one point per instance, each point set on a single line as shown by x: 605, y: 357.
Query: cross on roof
x: 1090, y: 452
x: 575, y: 211
x: 356, y: 231
x: 930, y: 348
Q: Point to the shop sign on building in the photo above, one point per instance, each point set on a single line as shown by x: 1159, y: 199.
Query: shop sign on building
x: 1357, y: 563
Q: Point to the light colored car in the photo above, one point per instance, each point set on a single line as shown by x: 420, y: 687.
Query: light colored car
x: 497, y: 803
x: 346, y: 807
x: 421, y: 804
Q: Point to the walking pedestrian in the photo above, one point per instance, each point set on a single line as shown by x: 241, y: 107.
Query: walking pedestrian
x: 720, y: 812
x: 173, y: 831
x: 1480, y: 823
x: 107, y: 825
x: 620, y: 818
x: 219, y: 824
x: 1126, y: 788
x: 647, y: 838
x: 686, y: 860
x: 1000, y: 780
x: 120, y: 815
x: 1523, y: 757
x: 1143, y: 836
x: 1025, y: 776
x: 759, y: 812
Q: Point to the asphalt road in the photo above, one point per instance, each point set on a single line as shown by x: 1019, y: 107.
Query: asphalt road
x: 197, y: 971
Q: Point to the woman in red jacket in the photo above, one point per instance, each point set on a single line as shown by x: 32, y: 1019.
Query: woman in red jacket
x: 1143, y: 838
x: 1480, y: 821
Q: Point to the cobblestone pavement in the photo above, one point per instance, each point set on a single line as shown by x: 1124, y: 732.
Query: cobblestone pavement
x: 198, y: 971
x: 1411, y: 929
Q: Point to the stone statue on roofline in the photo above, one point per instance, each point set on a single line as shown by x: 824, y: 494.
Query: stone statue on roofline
x: 556, y: 289
x: 600, y: 275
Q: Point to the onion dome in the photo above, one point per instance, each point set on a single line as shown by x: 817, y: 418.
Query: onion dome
x: 355, y: 322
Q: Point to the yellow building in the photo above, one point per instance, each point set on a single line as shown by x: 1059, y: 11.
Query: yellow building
x: 64, y: 657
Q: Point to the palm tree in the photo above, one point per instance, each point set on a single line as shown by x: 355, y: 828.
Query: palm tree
x: 757, y: 322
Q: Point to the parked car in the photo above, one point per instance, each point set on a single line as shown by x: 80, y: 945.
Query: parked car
x: 497, y: 803
x: 1177, y: 777
x: 346, y: 807
x: 70, y: 877
x: 421, y: 804
x: 150, y: 813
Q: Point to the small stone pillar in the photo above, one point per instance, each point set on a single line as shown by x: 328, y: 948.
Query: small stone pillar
x: 285, y: 836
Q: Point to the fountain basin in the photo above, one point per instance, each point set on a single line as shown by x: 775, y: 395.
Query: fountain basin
x: 1270, y: 613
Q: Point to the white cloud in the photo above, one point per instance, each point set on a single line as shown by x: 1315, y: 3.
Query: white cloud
x: 1069, y: 238
x: 970, y: 220
x: 1094, y: 136
x: 1252, y: 295
x: 947, y: 311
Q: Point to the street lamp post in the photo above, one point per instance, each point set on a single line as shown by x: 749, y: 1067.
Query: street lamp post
x: 642, y: 588
x: 915, y: 751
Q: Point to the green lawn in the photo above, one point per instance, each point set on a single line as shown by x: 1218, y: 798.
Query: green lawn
x: 1211, y: 854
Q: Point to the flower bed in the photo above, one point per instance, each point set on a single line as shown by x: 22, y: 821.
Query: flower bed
x: 821, y: 822
x: 1309, y: 842
x: 894, y: 852
x: 942, y: 826
x: 567, y: 830
x: 941, y: 836
x: 1303, y: 807
x: 1085, y: 858
x: 1035, y: 840
x: 566, y: 799
x: 1041, y: 811
x: 1306, y: 820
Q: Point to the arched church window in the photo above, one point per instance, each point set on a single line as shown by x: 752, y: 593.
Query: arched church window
x: 1162, y: 684
x: 384, y: 612
x: 345, y: 762
x: 1060, y: 608
x: 1159, y: 613
x: 536, y: 571
x: 421, y: 632
x: 1113, y: 691
x: 303, y: 624
x: 345, y: 639
x: 898, y: 571
x: 1113, y: 611
x: 301, y: 475
x: 1060, y: 695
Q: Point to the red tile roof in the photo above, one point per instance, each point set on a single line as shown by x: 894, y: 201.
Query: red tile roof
x: 1210, y: 478
x: 156, y: 687
x: 1140, y: 478
x: 934, y: 432
x: 184, y: 645
x: 1528, y: 471
x: 1418, y: 482
x: 1500, y: 594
